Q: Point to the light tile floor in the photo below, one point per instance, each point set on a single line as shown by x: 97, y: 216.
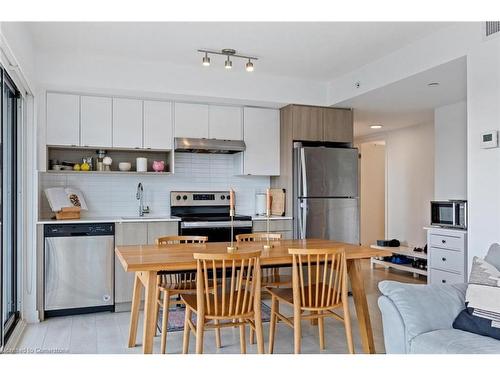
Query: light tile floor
x: 108, y: 332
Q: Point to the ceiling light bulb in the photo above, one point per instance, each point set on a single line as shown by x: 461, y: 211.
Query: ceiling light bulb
x: 376, y: 127
x: 249, y: 66
x: 206, y: 60
x: 228, y: 64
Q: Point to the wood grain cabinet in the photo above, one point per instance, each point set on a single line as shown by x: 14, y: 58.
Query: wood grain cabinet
x: 337, y: 125
x: 63, y: 119
x: 307, y: 123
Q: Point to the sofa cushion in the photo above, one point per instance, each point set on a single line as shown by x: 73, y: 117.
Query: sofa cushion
x: 453, y: 341
x: 482, y: 314
x: 493, y: 256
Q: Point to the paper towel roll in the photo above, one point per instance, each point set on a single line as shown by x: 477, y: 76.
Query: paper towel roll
x: 260, y: 203
x: 141, y: 164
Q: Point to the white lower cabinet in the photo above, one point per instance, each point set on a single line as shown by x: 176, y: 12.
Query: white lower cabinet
x: 447, y: 254
x: 135, y: 234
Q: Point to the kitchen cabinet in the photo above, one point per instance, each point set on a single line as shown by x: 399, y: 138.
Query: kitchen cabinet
x: 96, y: 121
x: 136, y: 234
x: 261, y: 132
x: 225, y: 122
x: 63, y: 119
x: 191, y: 120
x: 160, y: 229
x: 127, y: 234
x: 158, y: 126
x: 337, y: 125
x: 307, y: 123
x: 127, y: 123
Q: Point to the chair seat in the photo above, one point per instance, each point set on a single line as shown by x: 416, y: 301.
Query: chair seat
x: 276, y: 280
x: 190, y: 300
x: 286, y: 295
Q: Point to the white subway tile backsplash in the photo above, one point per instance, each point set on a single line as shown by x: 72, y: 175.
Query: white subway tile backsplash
x: 114, y: 195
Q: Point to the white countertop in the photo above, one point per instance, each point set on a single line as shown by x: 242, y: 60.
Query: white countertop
x: 120, y: 219
x: 272, y: 218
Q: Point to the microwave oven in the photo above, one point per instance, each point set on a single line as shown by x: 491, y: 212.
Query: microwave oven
x: 449, y: 214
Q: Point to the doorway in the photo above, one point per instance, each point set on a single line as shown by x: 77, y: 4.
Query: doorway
x: 372, y: 192
x: 9, y: 305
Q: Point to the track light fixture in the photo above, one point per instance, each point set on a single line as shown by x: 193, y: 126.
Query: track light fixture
x: 229, y: 53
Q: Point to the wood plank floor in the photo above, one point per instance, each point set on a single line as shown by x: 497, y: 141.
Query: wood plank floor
x: 108, y: 332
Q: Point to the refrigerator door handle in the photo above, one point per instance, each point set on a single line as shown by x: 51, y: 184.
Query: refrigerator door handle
x: 303, y: 174
x: 302, y: 219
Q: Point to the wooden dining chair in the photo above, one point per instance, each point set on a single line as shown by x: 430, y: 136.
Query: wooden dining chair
x: 175, y: 284
x: 233, y: 302
x: 313, y: 295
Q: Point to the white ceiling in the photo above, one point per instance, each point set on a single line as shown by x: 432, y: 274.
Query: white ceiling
x: 310, y: 51
x: 409, y: 101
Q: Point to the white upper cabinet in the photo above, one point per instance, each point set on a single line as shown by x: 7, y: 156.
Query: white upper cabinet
x: 261, y: 130
x: 191, y: 120
x: 158, y: 129
x: 63, y: 119
x: 96, y: 121
x: 127, y: 123
x: 225, y: 122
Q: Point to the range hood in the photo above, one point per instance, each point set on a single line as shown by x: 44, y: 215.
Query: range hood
x: 208, y: 146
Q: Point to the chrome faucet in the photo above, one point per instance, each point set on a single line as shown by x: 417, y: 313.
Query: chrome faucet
x: 140, y: 197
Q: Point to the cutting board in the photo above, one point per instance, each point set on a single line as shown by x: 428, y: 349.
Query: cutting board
x: 278, y: 197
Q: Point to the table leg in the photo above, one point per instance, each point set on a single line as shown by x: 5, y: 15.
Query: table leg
x: 149, y: 280
x: 134, y: 314
x: 361, y: 304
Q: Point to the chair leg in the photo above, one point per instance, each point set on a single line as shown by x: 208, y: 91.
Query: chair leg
x: 243, y: 344
x: 347, y: 324
x: 200, y: 332
x: 157, y: 310
x: 164, y: 323
x: 217, y: 336
x: 187, y: 331
x: 321, y: 329
x: 296, y: 328
x: 272, y: 323
x: 252, y: 336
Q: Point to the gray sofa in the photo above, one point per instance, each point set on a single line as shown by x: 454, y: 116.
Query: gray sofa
x: 419, y: 318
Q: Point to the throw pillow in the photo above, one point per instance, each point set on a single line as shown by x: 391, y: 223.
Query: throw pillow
x: 482, y: 301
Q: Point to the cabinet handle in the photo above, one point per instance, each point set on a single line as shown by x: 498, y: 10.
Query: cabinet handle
x: 443, y: 241
x: 443, y: 259
x: 443, y: 281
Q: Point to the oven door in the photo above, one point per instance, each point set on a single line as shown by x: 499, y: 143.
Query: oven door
x: 443, y: 214
x: 214, y: 233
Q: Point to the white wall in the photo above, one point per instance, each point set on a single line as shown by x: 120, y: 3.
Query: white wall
x: 410, y: 182
x: 483, y: 114
x: 450, y: 164
x: 114, y: 195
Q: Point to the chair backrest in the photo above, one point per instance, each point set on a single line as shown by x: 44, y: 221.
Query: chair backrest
x: 239, y: 285
x: 325, y: 282
x: 255, y: 237
x: 171, y: 240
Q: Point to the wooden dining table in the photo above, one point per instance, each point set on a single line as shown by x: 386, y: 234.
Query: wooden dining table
x: 147, y: 261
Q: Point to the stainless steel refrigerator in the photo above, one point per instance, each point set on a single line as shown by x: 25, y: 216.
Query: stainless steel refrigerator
x: 325, y: 184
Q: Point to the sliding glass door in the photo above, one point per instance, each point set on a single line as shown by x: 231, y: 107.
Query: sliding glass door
x: 8, y: 203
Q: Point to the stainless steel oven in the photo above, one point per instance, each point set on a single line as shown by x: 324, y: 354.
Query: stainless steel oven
x: 207, y: 214
x: 449, y: 214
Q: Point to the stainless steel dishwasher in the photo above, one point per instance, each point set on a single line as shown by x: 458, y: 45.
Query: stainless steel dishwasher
x: 79, y: 268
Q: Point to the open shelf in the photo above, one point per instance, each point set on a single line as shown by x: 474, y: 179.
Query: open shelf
x: 76, y: 154
x: 401, y: 267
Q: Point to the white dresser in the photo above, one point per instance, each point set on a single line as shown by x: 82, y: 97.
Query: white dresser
x: 447, y: 256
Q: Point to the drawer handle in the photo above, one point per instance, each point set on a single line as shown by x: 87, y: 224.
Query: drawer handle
x: 443, y: 281
x: 443, y: 241
x: 443, y: 259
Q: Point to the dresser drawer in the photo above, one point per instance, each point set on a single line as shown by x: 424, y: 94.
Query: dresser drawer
x: 448, y: 260
x: 447, y: 242
x: 443, y: 277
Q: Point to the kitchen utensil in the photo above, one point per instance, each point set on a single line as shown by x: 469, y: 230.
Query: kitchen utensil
x: 124, y: 166
x: 56, y: 167
x: 158, y: 165
x: 141, y: 164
